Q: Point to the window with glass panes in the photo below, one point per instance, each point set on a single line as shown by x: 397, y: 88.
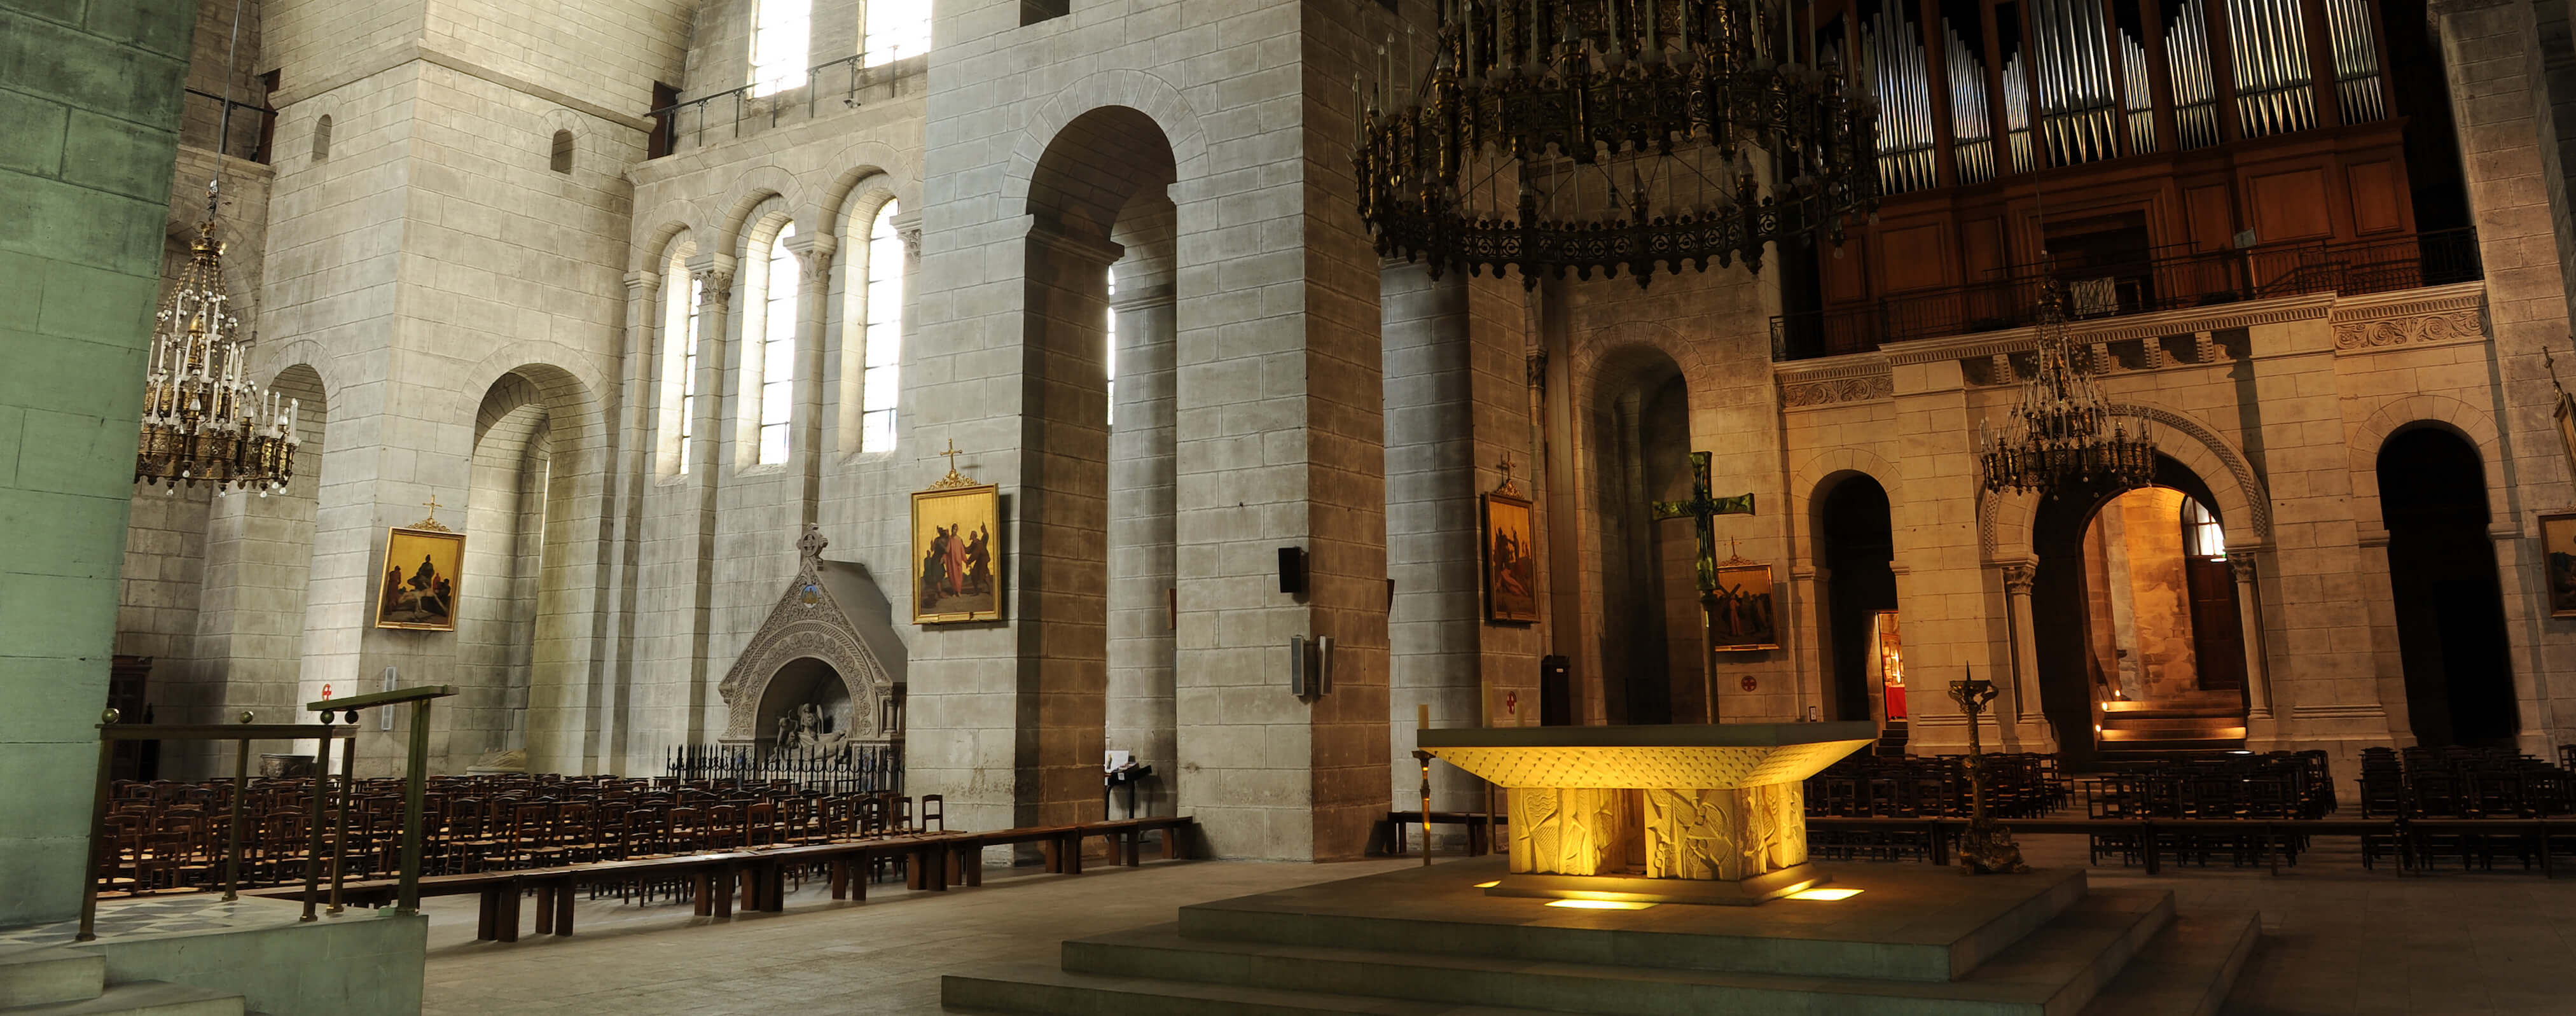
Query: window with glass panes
x: 896, y: 29
x: 781, y: 31
x: 778, y: 348
x: 883, y: 340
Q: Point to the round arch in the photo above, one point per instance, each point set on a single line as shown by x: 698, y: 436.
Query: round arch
x: 2005, y: 521
x: 1135, y: 90
x: 2424, y: 410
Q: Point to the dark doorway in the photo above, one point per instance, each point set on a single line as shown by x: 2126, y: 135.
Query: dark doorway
x: 2442, y: 572
x: 1853, y: 529
x: 2071, y: 677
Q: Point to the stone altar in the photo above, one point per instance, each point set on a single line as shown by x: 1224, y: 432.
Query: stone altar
x: 1655, y: 814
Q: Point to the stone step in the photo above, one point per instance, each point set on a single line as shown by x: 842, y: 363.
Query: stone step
x: 1033, y: 990
x: 140, y: 998
x: 2055, y: 971
x: 2187, y: 970
x: 2192, y: 724
x: 1911, y: 924
x: 30, y: 976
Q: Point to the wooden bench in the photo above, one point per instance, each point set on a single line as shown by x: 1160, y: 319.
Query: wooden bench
x: 1480, y: 828
x: 933, y: 862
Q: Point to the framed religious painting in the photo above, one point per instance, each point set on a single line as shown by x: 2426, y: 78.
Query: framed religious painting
x: 1511, y: 566
x: 423, y: 574
x: 957, y: 553
x: 1742, y: 614
x: 2558, y: 553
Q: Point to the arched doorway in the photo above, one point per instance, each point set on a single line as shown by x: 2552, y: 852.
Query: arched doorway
x: 2442, y: 576
x: 1652, y: 646
x: 1855, y: 546
x: 2135, y: 619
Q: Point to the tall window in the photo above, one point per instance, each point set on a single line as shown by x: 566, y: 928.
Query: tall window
x: 680, y: 353
x: 897, y: 29
x: 884, y: 339
x: 780, y: 33
x: 778, y: 348
x: 2201, y: 535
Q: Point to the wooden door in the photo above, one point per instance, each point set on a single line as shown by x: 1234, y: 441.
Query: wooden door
x: 2217, y: 641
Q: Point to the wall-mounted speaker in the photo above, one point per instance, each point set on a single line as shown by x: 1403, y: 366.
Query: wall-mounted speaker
x: 1292, y: 570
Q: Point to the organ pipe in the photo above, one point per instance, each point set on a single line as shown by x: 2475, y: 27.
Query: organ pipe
x: 2195, y: 94
x: 1972, y: 138
x: 1892, y: 56
x: 2356, y: 60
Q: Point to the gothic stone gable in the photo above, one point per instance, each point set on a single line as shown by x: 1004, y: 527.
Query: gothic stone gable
x: 809, y: 621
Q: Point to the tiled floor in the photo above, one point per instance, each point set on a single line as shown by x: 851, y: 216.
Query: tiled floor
x: 2337, y: 940
x: 167, y: 915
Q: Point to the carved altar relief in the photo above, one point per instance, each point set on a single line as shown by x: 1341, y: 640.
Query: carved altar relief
x: 1731, y: 834
x: 1564, y: 831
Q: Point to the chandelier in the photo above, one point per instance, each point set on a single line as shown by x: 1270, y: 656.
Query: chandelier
x: 204, y: 419
x: 2063, y: 433
x: 1612, y: 134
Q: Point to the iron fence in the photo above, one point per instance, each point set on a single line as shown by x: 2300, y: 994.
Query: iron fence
x: 855, y: 768
x: 2157, y: 281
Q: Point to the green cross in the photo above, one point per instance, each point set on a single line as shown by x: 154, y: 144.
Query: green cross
x: 1702, y: 509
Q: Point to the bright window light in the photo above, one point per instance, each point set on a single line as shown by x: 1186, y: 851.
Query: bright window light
x: 780, y: 32
x: 1489, y: 885
x: 1824, y: 894
x: 1598, y: 905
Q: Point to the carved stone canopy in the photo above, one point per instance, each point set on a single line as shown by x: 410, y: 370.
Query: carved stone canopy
x: 831, y: 612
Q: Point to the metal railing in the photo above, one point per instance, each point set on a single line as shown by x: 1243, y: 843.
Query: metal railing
x: 2159, y: 281
x: 853, y: 768
x: 729, y: 114
x: 239, y: 129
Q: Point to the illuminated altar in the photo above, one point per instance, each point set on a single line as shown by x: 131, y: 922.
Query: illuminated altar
x: 1654, y: 814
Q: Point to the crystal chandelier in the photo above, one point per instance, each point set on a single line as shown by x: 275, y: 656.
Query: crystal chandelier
x: 204, y: 419
x: 2063, y: 433
x: 1612, y: 134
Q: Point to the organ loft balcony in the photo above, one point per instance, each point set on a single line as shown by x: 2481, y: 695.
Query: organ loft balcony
x: 2150, y: 155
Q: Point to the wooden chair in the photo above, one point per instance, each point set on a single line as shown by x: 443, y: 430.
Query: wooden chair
x: 934, y: 812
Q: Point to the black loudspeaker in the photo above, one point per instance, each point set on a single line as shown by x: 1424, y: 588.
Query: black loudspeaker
x: 1555, y: 692
x: 1292, y: 570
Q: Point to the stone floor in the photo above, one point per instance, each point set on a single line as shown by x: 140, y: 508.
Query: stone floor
x: 2337, y: 940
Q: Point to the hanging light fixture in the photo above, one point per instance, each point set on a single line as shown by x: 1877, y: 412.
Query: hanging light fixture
x: 204, y: 419
x: 2063, y: 433
x: 1602, y: 135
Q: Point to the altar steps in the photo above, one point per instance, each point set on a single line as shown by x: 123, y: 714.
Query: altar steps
x: 1396, y: 944
x: 55, y: 981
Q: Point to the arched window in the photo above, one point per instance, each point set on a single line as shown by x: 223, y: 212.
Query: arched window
x: 896, y: 29
x: 2201, y: 534
x: 322, y: 138
x: 778, y: 347
x: 884, y: 339
x: 562, y: 160
x: 780, y: 33
x: 681, y: 293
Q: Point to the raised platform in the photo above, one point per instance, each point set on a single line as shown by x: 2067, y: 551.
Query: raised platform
x: 196, y: 955
x: 1431, y: 940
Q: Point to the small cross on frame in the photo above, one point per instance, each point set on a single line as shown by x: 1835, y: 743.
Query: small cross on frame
x: 431, y: 523
x: 952, y: 454
x: 954, y: 478
x: 432, y: 505
x: 1507, y: 487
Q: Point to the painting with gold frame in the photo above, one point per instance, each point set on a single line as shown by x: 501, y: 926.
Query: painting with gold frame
x: 1511, y: 564
x: 2558, y: 560
x: 422, y: 596
x: 957, y: 554
x: 1742, y: 615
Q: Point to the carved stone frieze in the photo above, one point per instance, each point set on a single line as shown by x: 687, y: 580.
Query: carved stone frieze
x: 2455, y: 325
x: 1563, y: 831
x: 1829, y: 391
x: 1730, y: 834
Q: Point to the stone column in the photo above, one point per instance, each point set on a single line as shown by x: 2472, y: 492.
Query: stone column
x: 1432, y: 556
x: 1141, y: 621
x: 630, y: 434
x: 2019, y: 577
x: 713, y: 272
x: 806, y: 453
x: 2249, y: 623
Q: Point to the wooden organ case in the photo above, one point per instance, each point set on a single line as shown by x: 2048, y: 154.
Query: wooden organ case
x: 2163, y: 153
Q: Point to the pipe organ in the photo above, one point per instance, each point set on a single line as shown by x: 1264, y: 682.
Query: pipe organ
x: 2086, y: 134
x: 2104, y: 73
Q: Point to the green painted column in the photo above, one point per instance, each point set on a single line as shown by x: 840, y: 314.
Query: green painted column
x: 89, y: 118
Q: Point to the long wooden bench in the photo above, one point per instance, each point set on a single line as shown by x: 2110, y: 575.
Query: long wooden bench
x: 933, y: 862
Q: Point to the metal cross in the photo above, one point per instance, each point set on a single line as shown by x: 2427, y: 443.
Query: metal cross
x: 1506, y: 466
x: 952, y: 454
x: 1702, y: 509
x: 432, y: 505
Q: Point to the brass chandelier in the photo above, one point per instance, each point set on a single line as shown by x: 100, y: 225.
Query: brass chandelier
x: 2063, y: 433
x: 1611, y: 134
x: 204, y: 419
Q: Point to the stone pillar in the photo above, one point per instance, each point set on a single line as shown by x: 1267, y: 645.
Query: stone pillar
x: 806, y: 453
x: 2249, y: 623
x: 713, y: 272
x: 2023, y: 687
x: 1141, y: 615
x: 1433, y: 619
x: 631, y: 435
